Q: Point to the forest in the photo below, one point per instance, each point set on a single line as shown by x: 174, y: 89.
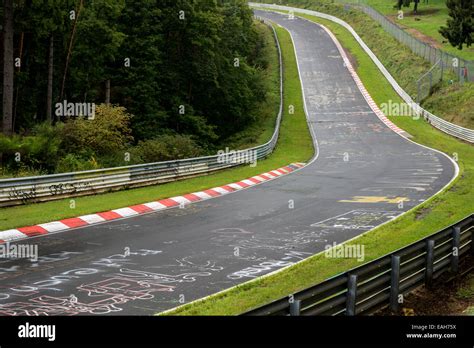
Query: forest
x: 167, y: 79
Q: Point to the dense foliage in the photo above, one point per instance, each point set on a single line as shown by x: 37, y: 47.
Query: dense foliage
x: 186, y: 72
x: 459, y: 29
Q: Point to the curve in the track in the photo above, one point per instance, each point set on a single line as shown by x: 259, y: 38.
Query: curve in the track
x: 150, y: 263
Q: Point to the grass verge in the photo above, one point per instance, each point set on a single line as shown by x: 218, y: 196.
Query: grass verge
x: 294, y: 145
x: 434, y: 214
x: 430, y: 18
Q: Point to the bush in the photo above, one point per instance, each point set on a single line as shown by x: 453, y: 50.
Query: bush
x: 81, y: 144
x: 109, y: 131
x: 165, y: 148
x: 39, y: 151
x: 74, y: 163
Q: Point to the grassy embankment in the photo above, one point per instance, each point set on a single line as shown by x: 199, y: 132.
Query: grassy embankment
x: 454, y: 103
x: 427, y: 21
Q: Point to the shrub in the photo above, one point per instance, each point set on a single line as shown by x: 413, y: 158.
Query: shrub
x: 39, y: 151
x: 74, y: 163
x: 165, y: 148
x: 109, y: 131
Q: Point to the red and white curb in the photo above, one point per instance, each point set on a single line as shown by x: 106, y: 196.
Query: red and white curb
x: 362, y: 88
x: 91, y: 219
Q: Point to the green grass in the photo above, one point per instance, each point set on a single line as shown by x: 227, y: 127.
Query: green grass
x: 469, y: 311
x: 434, y: 214
x: 294, y: 145
x: 429, y: 19
x: 466, y: 291
x: 455, y: 103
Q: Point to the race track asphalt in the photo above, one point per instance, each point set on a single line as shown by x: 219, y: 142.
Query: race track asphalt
x: 146, y: 264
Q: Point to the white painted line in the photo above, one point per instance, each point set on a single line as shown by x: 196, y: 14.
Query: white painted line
x: 235, y: 186
x: 180, y: 200
x: 202, y: 195
x: 92, y: 218
x: 9, y: 235
x: 221, y: 190
x: 155, y: 205
x: 54, y: 226
x: 124, y: 212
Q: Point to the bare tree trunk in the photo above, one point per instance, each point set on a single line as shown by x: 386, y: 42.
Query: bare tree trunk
x: 71, y: 42
x: 107, y: 92
x: 7, y: 124
x: 49, y: 98
x: 17, y: 92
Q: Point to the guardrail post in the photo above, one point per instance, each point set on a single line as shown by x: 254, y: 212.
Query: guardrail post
x: 442, y: 66
x: 455, y: 251
x: 429, y: 261
x: 351, y: 294
x: 295, y: 308
x: 431, y: 82
x: 394, y: 283
x: 472, y: 242
x: 418, y: 97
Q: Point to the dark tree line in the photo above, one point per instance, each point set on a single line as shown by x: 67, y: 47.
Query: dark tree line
x: 179, y: 66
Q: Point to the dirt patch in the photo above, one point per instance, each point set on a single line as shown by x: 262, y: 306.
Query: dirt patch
x: 421, y: 213
x: 447, y: 296
x: 408, y: 12
x: 422, y: 37
x: 419, y: 35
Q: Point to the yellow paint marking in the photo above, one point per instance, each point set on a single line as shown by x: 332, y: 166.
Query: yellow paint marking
x: 375, y: 199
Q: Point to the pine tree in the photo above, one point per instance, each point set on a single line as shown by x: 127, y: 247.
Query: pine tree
x: 460, y: 27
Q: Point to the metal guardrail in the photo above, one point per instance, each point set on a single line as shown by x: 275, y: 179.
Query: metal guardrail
x: 376, y: 284
x: 17, y: 191
x: 437, y: 122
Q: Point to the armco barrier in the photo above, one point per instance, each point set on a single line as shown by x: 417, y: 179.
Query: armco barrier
x: 17, y: 191
x: 437, y: 122
x: 380, y: 283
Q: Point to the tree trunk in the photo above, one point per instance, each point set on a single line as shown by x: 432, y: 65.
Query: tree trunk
x: 7, y: 124
x: 69, y: 51
x: 107, y: 92
x: 17, y: 92
x: 49, y: 98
